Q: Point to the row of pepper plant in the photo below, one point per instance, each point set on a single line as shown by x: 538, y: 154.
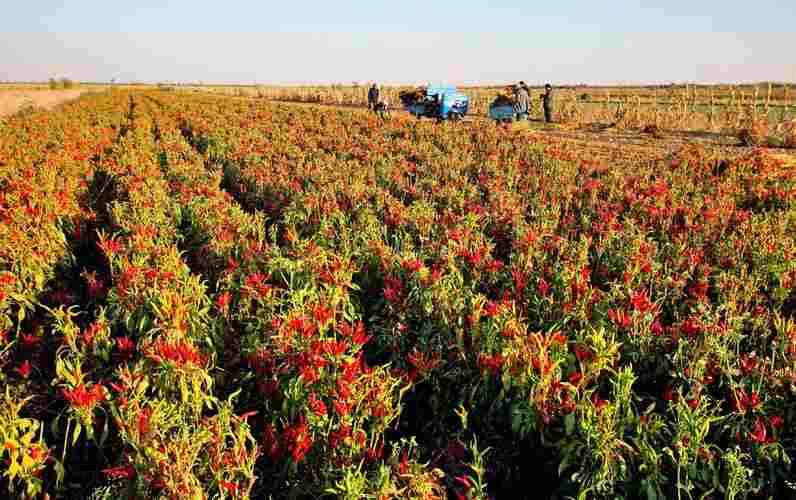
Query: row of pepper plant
x: 297, y: 302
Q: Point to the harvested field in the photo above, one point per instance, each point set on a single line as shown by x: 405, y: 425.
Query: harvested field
x: 12, y: 101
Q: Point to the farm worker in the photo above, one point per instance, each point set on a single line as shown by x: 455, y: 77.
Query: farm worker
x: 520, y: 102
x: 373, y: 96
x: 383, y: 109
x: 547, y: 103
x: 435, y: 103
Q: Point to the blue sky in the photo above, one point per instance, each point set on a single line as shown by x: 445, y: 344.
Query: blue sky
x: 407, y: 41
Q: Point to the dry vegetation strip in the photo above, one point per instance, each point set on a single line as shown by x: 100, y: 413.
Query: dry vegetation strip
x: 12, y: 101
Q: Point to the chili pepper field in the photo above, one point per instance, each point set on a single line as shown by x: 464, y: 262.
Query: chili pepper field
x: 207, y: 297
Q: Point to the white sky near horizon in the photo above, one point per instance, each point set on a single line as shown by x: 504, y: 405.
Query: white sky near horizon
x: 409, y: 41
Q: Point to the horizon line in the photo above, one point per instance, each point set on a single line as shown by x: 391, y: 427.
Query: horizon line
x: 202, y: 83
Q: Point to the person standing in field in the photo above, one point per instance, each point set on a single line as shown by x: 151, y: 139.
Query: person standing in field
x: 382, y: 109
x: 521, y: 101
x: 373, y: 96
x: 547, y: 103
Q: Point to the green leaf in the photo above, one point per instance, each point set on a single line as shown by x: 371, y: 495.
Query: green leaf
x: 569, y: 423
x: 564, y: 464
x: 232, y: 397
x: 13, y: 470
x: 104, y: 435
x: 60, y: 472
x: 54, y: 425
x: 651, y: 493
x: 76, y: 432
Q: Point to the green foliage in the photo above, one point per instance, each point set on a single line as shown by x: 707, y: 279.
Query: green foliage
x: 220, y: 298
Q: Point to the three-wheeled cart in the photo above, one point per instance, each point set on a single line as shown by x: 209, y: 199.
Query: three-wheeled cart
x: 438, y: 102
x: 502, y: 112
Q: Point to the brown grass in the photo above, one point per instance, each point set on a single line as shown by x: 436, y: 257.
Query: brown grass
x: 683, y: 107
x: 15, y: 100
x: 789, y: 132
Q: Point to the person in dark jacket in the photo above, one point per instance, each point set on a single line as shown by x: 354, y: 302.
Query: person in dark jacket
x: 521, y: 102
x: 373, y: 97
x: 547, y: 103
x: 382, y: 109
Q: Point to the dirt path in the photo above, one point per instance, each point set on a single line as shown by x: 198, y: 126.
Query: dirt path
x: 12, y: 101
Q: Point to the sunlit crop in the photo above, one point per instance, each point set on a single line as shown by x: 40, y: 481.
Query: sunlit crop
x: 205, y: 297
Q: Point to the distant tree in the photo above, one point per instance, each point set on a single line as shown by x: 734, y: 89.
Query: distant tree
x: 53, y: 84
x: 66, y: 83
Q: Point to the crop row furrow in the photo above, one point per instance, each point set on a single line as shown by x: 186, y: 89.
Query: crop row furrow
x: 154, y: 403
x: 48, y: 171
x: 300, y: 335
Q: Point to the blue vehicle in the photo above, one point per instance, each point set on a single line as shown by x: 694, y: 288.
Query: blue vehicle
x: 438, y: 102
x: 502, y: 113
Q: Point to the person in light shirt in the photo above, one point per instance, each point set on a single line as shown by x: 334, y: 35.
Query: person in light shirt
x: 520, y: 102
